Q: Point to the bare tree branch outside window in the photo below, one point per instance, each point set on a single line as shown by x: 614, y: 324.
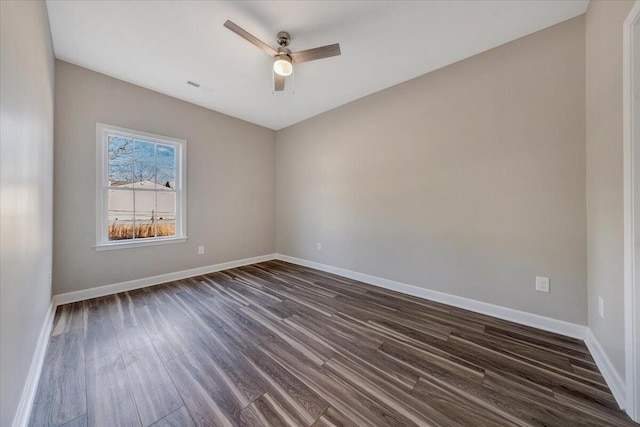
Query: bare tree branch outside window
x: 134, y: 166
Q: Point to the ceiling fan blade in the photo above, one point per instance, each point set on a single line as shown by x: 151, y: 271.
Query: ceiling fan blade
x: 250, y: 38
x: 278, y: 82
x: 316, y: 53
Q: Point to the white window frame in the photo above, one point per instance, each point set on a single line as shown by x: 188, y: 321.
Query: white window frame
x: 102, y: 186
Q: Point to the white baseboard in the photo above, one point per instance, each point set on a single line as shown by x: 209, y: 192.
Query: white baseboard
x: 529, y: 319
x: 130, y: 285
x: 23, y: 413
x: 615, y: 383
x: 573, y: 330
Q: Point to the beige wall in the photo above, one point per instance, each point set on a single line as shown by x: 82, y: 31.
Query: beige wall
x: 469, y: 180
x: 604, y: 174
x: 26, y: 177
x: 230, y: 178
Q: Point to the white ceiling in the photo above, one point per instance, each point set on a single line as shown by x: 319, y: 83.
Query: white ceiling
x: 162, y: 44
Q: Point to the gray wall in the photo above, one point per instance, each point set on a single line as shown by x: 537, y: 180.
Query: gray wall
x: 26, y: 182
x: 604, y: 174
x: 469, y: 180
x: 230, y: 179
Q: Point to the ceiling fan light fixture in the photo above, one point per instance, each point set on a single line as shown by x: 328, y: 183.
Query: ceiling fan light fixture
x: 284, y: 58
x: 282, y: 65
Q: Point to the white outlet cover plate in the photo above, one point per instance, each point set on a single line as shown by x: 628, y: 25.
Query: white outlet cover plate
x: 542, y: 284
x: 601, y: 307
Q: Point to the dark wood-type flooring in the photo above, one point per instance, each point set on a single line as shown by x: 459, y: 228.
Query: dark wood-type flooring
x: 274, y: 344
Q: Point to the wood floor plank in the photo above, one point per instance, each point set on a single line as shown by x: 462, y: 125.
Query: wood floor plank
x: 541, y: 408
x: 412, y: 410
x: 518, y: 349
x: 171, y: 307
x: 284, y: 345
x: 231, y: 371
x: 61, y: 394
x: 333, y: 418
x: 141, y: 297
x: 286, y: 387
x: 199, y: 391
x: 267, y: 411
x: 81, y: 421
x: 449, y: 401
x: 574, y: 396
x: 588, y: 374
x: 178, y: 418
x: 110, y: 400
x: 69, y: 317
x: 121, y: 308
x: 166, y: 340
x: 331, y: 388
x: 152, y: 388
x: 425, y: 354
x: 100, y: 337
x: 238, y: 322
x: 192, y: 304
x: 315, y: 351
x: 533, y: 372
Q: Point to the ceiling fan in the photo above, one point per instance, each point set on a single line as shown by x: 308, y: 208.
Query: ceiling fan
x: 284, y: 58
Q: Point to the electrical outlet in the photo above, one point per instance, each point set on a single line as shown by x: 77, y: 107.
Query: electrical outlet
x: 200, y: 250
x: 319, y: 246
x: 542, y: 284
x: 601, y: 307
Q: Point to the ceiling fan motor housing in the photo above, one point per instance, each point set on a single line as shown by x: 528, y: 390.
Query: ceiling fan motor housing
x: 283, y: 38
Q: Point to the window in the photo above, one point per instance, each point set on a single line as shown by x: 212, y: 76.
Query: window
x: 141, y: 198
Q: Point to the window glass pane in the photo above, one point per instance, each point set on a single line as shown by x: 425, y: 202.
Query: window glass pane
x: 120, y: 149
x: 120, y: 214
x: 141, y: 186
x: 144, y: 152
x: 165, y: 179
x: 121, y: 174
x: 145, y: 176
x: 145, y: 208
x: 166, y: 156
x: 166, y: 214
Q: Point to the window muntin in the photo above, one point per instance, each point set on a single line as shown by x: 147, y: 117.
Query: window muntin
x: 141, y: 187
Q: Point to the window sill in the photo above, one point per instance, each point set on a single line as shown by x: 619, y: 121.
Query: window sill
x: 138, y: 243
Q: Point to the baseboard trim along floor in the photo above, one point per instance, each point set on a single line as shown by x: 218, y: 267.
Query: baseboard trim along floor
x: 572, y: 330
x: 130, y: 285
x: 529, y: 319
x: 25, y: 405
x: 615, y: 383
